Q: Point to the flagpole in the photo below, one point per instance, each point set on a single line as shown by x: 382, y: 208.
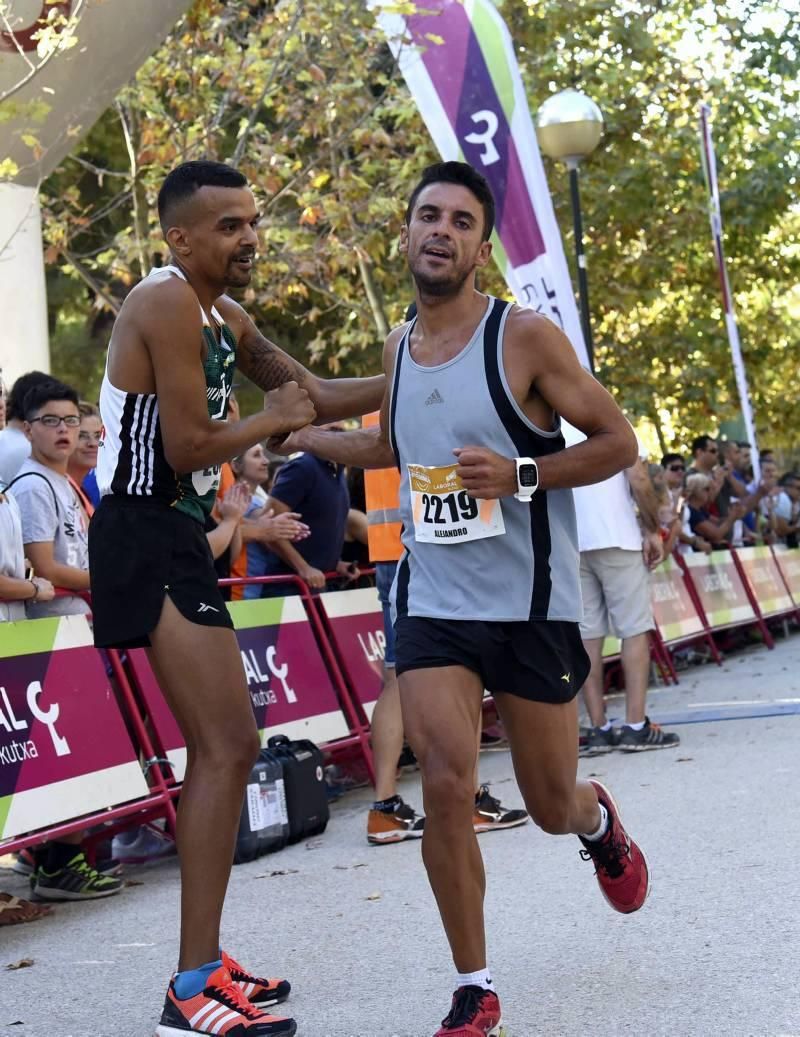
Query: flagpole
x: 715, y: 213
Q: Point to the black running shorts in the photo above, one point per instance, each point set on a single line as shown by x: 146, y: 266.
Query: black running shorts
x: 541, y: 660
x: 140, y: 550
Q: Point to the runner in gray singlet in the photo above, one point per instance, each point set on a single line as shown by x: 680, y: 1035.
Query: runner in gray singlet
x: 487, y: 594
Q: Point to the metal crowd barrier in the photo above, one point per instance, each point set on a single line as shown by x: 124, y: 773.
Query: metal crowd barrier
x: 87, y: 742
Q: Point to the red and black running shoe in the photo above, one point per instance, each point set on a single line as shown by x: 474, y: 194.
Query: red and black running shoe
x: 620, y: 865
x: 221, y: 1009
x: 475, y: 1012
x: 261, y: 992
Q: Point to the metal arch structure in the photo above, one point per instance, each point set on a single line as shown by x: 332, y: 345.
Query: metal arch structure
x: 70, y: 86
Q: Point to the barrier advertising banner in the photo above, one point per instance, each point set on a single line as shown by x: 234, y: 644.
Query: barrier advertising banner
x: 720, y: 589
x: 290, y: 690
x: 765, y: 580
x: 64, y: 748
x: 789, y: 562
x: 289, y: 686
x: 673, y: 608
x: 356, y: 620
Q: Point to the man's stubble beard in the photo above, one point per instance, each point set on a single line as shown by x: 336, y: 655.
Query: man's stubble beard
x: 439, y: 289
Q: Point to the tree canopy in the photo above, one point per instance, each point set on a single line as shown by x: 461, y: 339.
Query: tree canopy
x: 307, y: 100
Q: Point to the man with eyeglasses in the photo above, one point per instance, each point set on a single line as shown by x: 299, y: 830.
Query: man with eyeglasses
x: 54, y: 529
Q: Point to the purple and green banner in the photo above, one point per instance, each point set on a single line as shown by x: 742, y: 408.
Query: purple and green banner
x: 290, y: 690
x: 355, y: 618
x: 458, y: 60
x: 64, y: 747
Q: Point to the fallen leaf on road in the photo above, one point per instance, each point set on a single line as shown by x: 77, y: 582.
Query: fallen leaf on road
x: 278, y: 871
x: 374, y: 896
x: 23, y: 963
x: 314, y: 844
x: 684, y: 759
x: 347, y: 867
x: 133, y: 882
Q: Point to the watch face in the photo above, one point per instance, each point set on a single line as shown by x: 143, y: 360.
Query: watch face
x: 527, y: 475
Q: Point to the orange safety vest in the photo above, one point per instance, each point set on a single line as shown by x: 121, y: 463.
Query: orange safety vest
x: 382, y: 488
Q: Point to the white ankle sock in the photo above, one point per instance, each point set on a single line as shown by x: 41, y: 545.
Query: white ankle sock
x: 636, y: 727
x: 594, y: 837
x: 475, y: 979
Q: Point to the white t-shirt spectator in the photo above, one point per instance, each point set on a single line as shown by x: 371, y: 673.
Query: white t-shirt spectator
x: 605, y: 511
x: 12, y: 556
x: 51, y: 513
x: 15, y: 449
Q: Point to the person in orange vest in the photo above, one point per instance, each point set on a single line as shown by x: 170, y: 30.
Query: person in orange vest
x: 390, y: 819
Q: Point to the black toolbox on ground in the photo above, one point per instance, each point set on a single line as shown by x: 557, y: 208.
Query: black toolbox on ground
x: 264, y: 824
x: 304, y: 782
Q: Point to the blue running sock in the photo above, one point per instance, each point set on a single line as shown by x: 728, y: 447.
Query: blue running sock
x: 193, y: 981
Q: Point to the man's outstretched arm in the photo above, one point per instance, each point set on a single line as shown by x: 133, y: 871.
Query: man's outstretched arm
x: 269, y: 367
x: 361, y: 447
x: 358, y: 448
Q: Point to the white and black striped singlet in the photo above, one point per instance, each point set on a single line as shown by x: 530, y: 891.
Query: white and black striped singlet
x: 132, y: 462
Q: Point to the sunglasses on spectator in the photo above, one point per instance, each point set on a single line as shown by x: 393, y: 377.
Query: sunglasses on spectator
x: 91, y: 437
x: 677, y: 467
x: 54, y: 420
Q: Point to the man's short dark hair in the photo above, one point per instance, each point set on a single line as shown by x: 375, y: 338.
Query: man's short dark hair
x: 464, y: 175
x: 15, y: 405
x: 789, y: 477
x: 766, y: 454
x: 44, y: 392
x: 669, y: 459
x: 744, y: 445
x: 701, y: 443
x: 187, y: 178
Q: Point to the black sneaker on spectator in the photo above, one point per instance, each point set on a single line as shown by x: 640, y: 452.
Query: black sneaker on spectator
x: 25, y: 864
x: 650, y: 736
x: 490, y: 815
x: 598, y: 741
x: 77, y: 880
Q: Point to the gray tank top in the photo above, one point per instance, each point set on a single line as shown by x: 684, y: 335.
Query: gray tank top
x: 504, y: 561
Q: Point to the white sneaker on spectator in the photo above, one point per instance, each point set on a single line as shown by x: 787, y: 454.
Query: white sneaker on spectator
x: 141, y: 844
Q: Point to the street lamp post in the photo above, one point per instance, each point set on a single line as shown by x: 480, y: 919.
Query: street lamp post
x: 569, y: 126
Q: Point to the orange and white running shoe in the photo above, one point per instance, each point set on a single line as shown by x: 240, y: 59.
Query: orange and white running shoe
x: 395, y: 824
x: 221, y: 1009
x: 261, y: 992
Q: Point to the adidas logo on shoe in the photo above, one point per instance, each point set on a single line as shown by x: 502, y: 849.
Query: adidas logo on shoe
x: 435, y: 397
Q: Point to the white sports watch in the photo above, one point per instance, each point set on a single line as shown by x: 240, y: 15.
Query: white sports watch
x: 527, y: 478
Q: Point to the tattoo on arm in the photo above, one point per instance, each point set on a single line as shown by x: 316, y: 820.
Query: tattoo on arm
x: 268, y: 367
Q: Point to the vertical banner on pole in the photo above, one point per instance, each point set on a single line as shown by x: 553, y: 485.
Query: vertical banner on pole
x: 715, y: 212
x: 458, y: 60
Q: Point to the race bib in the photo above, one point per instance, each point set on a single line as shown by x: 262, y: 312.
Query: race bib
x: 205, y: 480
x: 444, y: 513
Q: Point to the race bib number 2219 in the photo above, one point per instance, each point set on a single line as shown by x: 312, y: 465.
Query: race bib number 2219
x: 444, y: 513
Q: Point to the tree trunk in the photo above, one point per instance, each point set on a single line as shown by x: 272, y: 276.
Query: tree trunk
x: 374, y: 297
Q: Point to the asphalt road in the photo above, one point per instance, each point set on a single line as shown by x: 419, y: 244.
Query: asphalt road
x: 715, y: 952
